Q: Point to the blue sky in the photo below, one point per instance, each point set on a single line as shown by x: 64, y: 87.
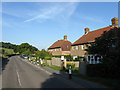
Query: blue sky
x: 42, y: 23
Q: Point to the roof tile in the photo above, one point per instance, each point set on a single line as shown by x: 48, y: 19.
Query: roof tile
x: 64, y: 44
x: 90, y: 36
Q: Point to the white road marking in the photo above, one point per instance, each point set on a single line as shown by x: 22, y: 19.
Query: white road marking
x: 18, y: 78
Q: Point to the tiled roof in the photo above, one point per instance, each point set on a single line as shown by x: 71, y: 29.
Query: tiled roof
x: 90, y: 36
x: 64, y: 44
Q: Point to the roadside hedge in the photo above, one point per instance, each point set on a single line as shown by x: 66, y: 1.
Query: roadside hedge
x: 102, y: 70
x: 65, y: 56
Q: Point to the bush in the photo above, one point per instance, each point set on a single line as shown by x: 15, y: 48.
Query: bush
x: 65, y: 56
x: 104, y: 70
x: 96, y: 70
x: 56, y: 56
x: 72, y: 66
x: 76, y: 59
x: 48, y: 58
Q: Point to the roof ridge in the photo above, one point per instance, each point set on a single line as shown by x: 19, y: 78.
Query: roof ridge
x: 86, y: 37
x: 98, y: 29
x: 59, y: 43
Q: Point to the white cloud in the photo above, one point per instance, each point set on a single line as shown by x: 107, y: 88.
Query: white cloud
x: 59, y: 10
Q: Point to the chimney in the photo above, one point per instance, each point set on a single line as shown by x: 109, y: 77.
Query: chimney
x: 86, y: 30
x: 114, y: 22
x: 65, y: 37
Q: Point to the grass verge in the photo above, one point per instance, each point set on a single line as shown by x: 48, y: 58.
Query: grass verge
x: 54, y: 67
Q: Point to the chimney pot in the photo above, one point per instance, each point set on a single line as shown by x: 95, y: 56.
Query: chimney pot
x: 86, y: 30
x: 65, y: 37
x: 114, y: 22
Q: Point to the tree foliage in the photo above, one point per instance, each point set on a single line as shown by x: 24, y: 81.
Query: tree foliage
x: 108, y: 46
x: 24, y: 48
x: 43, y: 53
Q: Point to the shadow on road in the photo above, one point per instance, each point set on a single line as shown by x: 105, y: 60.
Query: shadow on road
x: 4, y: 63
x: 57, y: 81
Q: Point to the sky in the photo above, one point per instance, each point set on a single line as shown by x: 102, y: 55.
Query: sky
x: 42, y: 23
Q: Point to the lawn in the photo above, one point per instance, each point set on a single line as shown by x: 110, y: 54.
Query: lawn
x: 54, y: 67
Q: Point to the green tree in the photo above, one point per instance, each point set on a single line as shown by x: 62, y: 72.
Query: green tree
x: 42, y: 54
x: 27, y: 52
x: 108, y: 46
x: 23, y: 48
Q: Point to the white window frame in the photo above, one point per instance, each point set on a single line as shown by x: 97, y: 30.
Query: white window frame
x: 72, y: 47
x: 77, y: 47
x: 67, y: 46
x: 82, y: 47
x: 113, y: 45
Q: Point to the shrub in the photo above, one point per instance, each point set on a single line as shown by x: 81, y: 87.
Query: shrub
x: 72, y: 66
x: 95, y: 70
x: 103, y: 70
x: 65, y: 56
x: 48, y: 58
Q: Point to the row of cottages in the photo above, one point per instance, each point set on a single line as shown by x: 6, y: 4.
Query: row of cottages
x: 64, y: 47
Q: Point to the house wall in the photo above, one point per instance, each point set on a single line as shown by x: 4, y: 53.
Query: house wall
x: 66, y: 52
x: 56, y: 61
x: 58, y: 51
x: 78, y: 50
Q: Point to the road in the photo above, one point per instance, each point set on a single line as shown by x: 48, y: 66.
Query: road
x: 20, y: 74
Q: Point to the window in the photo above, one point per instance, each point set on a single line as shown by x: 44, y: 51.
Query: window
x: 72, y: 47
x: 76, y: 47
x: 113, y: 46
x: 67, y: 46
x: 60, y: 49
x: 87, y: 45
x: 82, y: 47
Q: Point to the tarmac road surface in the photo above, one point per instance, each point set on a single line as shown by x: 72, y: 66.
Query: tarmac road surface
x: 19, y: 74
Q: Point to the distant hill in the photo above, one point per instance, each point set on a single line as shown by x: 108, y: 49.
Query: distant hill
x: 4, y: 52
x: 22, y: 48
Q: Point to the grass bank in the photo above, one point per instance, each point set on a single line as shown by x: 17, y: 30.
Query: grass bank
x: 54, y: 67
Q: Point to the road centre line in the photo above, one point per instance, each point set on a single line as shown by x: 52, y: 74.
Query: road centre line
x: 19, y: 79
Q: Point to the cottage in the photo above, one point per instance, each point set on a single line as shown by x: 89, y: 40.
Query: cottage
x: 79, y: 46
x: 60, y: 47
